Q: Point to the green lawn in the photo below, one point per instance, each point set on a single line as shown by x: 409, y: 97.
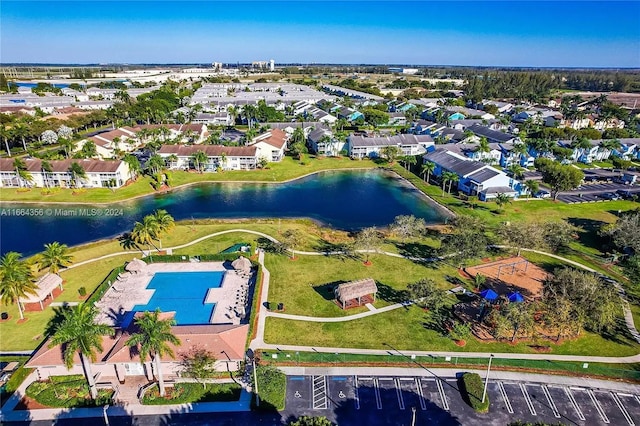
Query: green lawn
x: 277, y: 172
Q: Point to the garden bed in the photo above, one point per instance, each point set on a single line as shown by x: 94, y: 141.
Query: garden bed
x: 66, y: 392
x: 182, y: 393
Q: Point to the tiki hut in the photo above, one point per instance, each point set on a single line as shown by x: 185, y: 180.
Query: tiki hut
x: 46, y: 285
x: 241, y: 264
x: 356, y: 290
x: 136, y: 265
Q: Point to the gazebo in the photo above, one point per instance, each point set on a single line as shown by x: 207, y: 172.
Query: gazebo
x: 136, y: 265
x: 241, y: 264
x: 45, y: 287
x: 356, y: 290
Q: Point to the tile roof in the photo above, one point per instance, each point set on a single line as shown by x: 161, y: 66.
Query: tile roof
x: 275, y: 137
x: 402, y: 139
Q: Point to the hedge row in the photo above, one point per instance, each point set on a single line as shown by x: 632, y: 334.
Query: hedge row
x: 104, y: 286
x: 178, y: 258
x: 471, y: 388
x: 272, y: 387
x: 182, y: 393
x: 67, y: 392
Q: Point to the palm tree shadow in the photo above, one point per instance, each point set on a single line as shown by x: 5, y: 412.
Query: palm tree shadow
x: 59, y: 313
x: 389, y: 294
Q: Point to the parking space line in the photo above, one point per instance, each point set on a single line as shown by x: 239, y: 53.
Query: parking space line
x: 552, y: 403
x: 377, y: 390
x: 399, y: 394
x: 574, y: 403
x: 320, y: 392
x: 505, y: 398
x: 622, y: 408
x: 637, y: 398
x: 423, y: 405
x: 443, y: 396
x: 527, y: 398
x: 357, y: 396
x: 597, y: 405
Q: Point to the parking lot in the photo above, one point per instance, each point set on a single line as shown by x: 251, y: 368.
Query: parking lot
x: 597, y: 192
x: 394, y: 400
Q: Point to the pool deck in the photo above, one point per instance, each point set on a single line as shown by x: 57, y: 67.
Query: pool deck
x: 130, y: 289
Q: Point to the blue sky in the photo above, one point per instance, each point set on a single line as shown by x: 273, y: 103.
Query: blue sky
x: 487, y: 33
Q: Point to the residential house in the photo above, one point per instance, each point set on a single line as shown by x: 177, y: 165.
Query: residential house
x: 503, y: 107
x: 349, y: 114
x: 471, y: 150
x: 630, y: 148
x: 99, y: 173
x: 464, y: 112
x: 474, y: 177
x: 123, y: 139
x: 270, y: 145
x: 218, y: 156
x: 215, y: 119
x: 322, y: 142
x: 363, y: 147
x: 466, y: 123
x: 594, y: 152
x: 397, y: 119
x: 356, y: 94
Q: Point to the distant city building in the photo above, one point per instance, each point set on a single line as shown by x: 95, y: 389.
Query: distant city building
x: 410, y: 71
x: 272, y: 65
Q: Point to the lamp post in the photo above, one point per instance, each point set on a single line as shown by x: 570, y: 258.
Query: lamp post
x: 486, y: 380
x: 255, y: 380
x: 413, y: 416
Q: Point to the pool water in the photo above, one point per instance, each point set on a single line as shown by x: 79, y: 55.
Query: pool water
x: 183, y: 293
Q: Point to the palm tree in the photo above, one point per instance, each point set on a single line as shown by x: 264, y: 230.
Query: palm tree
x: 609, y: 145
x: 21, y: 130
x: 68, y: 145
x: 199, y: 160
x: 532, y: 186
x: 449, y: 177
x: 77, y: 172
x: 155, y: 163
x: 516, y: 170
x: 46, y: 168
x: 502, y: 200
x: 55, y: 256
x: 79, y: 333
x: 21, y: 171
x: 164, y: 222
x: 427, y: 169
x: 133, y: 163
x: 153, y: 338
x: 145, y: 232
x: 5, y: 133
x: 223, y: 160
x: 16, y: 280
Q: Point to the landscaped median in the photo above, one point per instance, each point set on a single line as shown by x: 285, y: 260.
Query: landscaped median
x: 181, y: 393
x: 472, y: 391
x: 66, y: 392
x: 271, y: 388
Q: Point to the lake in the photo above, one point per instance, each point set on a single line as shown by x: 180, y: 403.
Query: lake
x: 348, y: 200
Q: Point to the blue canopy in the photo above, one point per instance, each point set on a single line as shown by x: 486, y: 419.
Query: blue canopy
x: 516, y: 297
x: 489, y: 294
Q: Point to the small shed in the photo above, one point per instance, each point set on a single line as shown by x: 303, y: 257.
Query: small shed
x: 45, y: 287
x: 356, y: 290
x: 136, y: 265
x: 241, y: 264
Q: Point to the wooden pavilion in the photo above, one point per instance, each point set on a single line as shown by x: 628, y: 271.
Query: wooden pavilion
x: 46, y: 286
x: 361, y: 291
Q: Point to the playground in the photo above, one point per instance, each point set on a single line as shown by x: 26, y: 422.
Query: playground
x: 514, y: 274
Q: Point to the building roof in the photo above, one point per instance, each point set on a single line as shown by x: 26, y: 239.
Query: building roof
x: 499, y: 190
x: 275, y: 137
x: 230, y: 339
x: 484, y: 175
x: 135, y: 265
x: 241, y: 263
x: 354, y: 289
x: 210, y: 150
x: 45, y: 285
x: 402, y: 139
x: 62, y: 166
x: 491, y: 135
x: 454, y: 163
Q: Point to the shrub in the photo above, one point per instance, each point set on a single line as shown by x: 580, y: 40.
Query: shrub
x: 82, y: 291
x: 183, y: 393
x: 471, y: 389
x: 67, y: 392
x: 272, y: 387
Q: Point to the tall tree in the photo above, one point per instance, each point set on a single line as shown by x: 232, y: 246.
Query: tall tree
x: 199, y: 160
x: 502, y: 200
x: 16, y: 280
x: 427, y: 168
x: 369, y: 240
x: 153, y: 338
x: 54, y: 257
x: 390, y: 153
x: 164, y: 222
x: 79, y: 334
x: 427, y: 293
x: 532, y: 186
x: 406, y: 226
x: 145, y: 232
x: 134, y: 165
x: 291, y: 238
x: 77, y: 173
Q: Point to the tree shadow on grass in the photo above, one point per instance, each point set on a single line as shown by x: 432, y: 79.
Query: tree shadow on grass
x: 342, y: 251
x: 419, y: 250
x: 327, y: 291
x: 588, y: 233
x: 57, y: 318
x: 390, y: 294
x: 270, y: 246
x: 619, y: 333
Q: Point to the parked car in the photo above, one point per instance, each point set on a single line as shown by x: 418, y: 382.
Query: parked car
x: 612, y: 196
x: 543, y: 194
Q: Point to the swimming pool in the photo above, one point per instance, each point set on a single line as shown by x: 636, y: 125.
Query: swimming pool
x: 182, y: 292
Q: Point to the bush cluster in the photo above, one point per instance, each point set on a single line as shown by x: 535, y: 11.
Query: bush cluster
x: 471, y: 388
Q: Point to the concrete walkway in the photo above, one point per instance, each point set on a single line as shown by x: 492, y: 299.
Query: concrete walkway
x: 338, y: 319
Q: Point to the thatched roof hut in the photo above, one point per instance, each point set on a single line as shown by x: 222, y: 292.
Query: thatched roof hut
x: 136, y: 265
x: 241, y: 264
x: 45, y: 286
x: 356, y: 290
